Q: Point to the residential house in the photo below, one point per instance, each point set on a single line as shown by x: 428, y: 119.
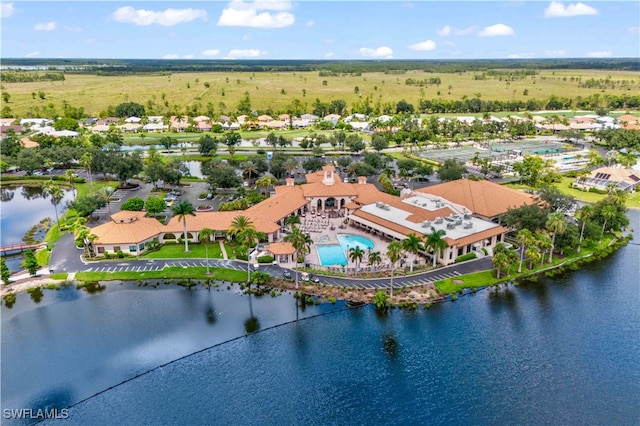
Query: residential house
x: 606, y: 178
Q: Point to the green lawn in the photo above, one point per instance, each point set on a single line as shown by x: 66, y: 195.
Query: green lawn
x: 488, y: 278
x: 176, y: 251
x: 632, y: 202
x: 221, y: 274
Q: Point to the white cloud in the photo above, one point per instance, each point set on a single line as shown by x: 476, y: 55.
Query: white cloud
x: 165, y: 18
x: 423, y: 45
x: 496, y: 30
x: 244, y: 53
x: 633, y: 30
x: 556, y: 53
x: 174, y: 56
x: 211, y: 52
x: 329, y: 55
x: 445, y: 31
x: 521, y: 56
x: 239, y: 13
x: 448, y: 30
x: 45, y: 26
x: 310, y: 23
x: 559, y: 10
x: 32, y: 54
x: 600, y: 54
x: 381, y: 52
x: 7, y: 10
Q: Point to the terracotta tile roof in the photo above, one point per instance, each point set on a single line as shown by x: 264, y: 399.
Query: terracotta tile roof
x: 338, y: 189
x: 281, y: 248
x: 482, y: 197
x: 479, y: 236
x: 287, y: 199
x: 134, y: 232
x: 218, y: 221
x: 28, y: 143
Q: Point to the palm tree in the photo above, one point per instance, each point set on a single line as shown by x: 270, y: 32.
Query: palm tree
x: 583, y: 214
x: 301, y: 242
x: 266, y: 181
x: 608, y: 212
x: 290, y: 165
x: 355, y: 255
x: 394, y: 253
x: 243, y: 228
x: 105, y: 194
x: 436, y: 243
x: 533, y: 255
x: 582, y: 178
x: 56, y: 195
x: 205, y: 238
x: 374, y: 258
x: 250, y: 238
x: 86, y: 161
x: 500, y: 261
x: 182, y: 210
x: 524, y: 237
x: 412, y: 244
x: 292, y: 220
x: 240, y: 224
x: 618, y: 197
x: 69, y: 175
x: 544, y: 243
x: 249, y: 169
x: 557, y: 224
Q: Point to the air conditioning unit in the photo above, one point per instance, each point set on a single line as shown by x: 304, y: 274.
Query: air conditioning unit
x: 438, y: 220
x: 468, y: 225
x: 467, y: 216
x: 450, y: 225
x: 426, y: 224
x: 458, y: 221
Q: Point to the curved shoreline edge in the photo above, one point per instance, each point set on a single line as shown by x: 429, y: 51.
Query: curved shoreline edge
x: 410, y: 297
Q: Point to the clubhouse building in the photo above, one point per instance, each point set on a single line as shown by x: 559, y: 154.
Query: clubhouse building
x: 467, y: 211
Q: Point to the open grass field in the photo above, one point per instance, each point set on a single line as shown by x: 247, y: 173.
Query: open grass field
x: 275, y: 91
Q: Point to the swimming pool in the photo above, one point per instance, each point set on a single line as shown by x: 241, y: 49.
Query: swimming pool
x: 335, y: 254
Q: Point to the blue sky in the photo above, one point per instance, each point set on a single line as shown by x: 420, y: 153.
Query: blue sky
x: 276, y: 29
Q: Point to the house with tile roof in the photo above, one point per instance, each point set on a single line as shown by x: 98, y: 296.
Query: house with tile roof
x: 606, y: 178
x: 465, y: 215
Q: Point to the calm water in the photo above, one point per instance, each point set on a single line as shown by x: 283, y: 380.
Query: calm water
x: 561, y: 351
x: 22, y: 207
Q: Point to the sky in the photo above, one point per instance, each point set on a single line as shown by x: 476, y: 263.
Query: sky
x: 282, y: 29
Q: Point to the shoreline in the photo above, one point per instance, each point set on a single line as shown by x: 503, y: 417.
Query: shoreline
x: 404, y: 297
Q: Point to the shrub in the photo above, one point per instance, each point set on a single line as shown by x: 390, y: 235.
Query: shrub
x: 332, y: 300
x: 133, y: 204
x: 120, y: 254
x: 265, y: 259
x: 464, y: 257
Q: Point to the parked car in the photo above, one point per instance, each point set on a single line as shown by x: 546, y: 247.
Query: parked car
x: 286, y: 275
x: 314, y: 278
x: 304, y: 276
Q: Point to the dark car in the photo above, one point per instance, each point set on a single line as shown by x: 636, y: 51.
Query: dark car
x: 314, y: 278
x: 286, y: 275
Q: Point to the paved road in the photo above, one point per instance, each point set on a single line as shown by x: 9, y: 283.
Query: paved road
x: 65, y: 263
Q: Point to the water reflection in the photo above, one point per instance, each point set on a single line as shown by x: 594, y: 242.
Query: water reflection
x: 36, y: 294
x: 6, y: 194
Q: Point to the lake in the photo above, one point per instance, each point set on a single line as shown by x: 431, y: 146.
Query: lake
x: 21, y: 208
x: 563, y: 351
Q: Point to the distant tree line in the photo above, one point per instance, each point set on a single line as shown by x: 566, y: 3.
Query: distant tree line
x: 28, y: 77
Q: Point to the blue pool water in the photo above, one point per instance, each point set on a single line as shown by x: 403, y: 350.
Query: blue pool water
x: 335, y: 254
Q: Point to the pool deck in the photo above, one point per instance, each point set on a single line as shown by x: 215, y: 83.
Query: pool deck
x: 328, y: 236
